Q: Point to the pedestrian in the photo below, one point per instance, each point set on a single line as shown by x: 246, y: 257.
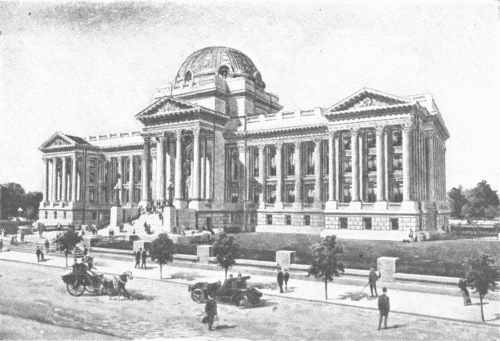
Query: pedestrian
x: 211, y: 310
x: 47, y: 245
x: 160, y: 215
x: 1, y: 245
x: 410, y: 235
x: 462, y: 284
x: 144, y: 255
x: 38, y: 254
x: 138, y: 258
x: 85, y: 251
x: 372, y: 279
x: 286, y: 277
x: 280, y: 279
x: 384, y: 307
x: 22, y: 237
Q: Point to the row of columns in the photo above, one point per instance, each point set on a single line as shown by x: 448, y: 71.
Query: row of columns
x: 165, y: 159
x: 56, y: 184
x: 334, y: 166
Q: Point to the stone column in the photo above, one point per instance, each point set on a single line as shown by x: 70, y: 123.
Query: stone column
x: 338, y: 159
x: 74, y: 176
x: 407, y: 162
x: 203, y: 170
x: 64, y: 181
x: 242, y: 183
x: 380, y: 164
x: 431, y: 183
x: 279, y: 176
x: 46, y: 176
x: 298, y: 175
x: 317, y: 173
x: 262, y: 175
x: 178, y: 195
x: 387, y: 140
x: 54, y: 180
x: 355, y: 165
x: 362, y: 170
x: 120, y: 180
x: 131, y: 187
x: 160, y: 169
x: 146, y: 195
x: 196, y: 164
x: 331, y: 167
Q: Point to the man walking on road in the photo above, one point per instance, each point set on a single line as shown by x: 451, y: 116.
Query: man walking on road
x: 280, y: 279
x: 286, y: 277
x: 1, y: 245
x: 211, y: 310
x: 144, y: 255
x: 384, y: 307
x: 38, y: 254
x: 137, y: 255
x: 47, y: 245
x: 372, y: 279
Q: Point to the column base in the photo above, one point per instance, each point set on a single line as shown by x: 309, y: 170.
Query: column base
x: 196, y: 204
x: 355, y: 205
x: 142, y: 203
x: 331, y: 206
x: 297, y: 205
x: 278, y: 205
x: 381, y: 206
x: 409, y: 206
x: 180, y: 204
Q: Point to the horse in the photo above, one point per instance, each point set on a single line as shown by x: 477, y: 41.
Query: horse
x: 115, y: 286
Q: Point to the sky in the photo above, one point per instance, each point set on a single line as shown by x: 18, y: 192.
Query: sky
x: 87, y: 68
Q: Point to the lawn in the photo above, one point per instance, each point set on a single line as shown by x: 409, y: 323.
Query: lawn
x: 443, y: 257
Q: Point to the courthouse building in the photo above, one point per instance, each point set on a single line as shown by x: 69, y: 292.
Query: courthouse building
x: 231, y: 156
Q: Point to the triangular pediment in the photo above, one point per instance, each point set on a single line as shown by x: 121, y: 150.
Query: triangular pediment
x: 62, y: 140
x: 366, y: 99
x: 165, y: 106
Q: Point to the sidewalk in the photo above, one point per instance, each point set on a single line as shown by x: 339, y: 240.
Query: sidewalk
x: 406, y: 302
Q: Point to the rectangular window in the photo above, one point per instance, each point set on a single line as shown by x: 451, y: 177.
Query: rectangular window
x: 255, y: 161
x: 92, y: 195
x: 271, y: 158
x: 308, y: 193
x: 346, y: 193
x: 371, y: 139
x: 289, y: 193
x: 371, y: 190
x: 46, y: 214
x: 346, y: 141
x: 372, y: 163
x: 137, y: 195
x: 289, y: 160
x: 307, y: 220
x: 271, y: 194
x: 343, y: 223
x: 92, y: 163
x: 234, y: 195
x: 367, y: 223
x: 138, y: 169
x: 94, y: 215
x: 233, y: 218
x: 397, y: 138
x: 397, y: 195
x: 288, y: 219
x: 55, y: 214
x: 269, y: 219
x: 64, y: 215
x: 325, y: 158
x: 126, y: 170
x: 397, y: 162
x: 346, y: 164
x: 394, y: 224
x: 92, y: 177
x: 233, y: 164
x: 309, y: 156
x: 254, y: 194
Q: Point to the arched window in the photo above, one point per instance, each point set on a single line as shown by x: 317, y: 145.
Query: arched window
x: 224, y: 71
x: 188, y: 77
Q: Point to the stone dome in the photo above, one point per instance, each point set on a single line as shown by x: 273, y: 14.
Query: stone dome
x: 217, y: 60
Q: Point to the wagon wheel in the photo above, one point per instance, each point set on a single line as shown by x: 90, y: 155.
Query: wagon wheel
x: 242, y: 301
x: 77, y: 288
x: 198, y: 295
x: 92, y: 285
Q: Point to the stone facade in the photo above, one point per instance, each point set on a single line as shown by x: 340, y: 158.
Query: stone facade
x: 223, y: 150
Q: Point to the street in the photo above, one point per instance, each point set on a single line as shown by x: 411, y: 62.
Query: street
x: 165, y: 310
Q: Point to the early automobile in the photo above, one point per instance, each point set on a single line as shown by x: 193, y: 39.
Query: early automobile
x: 234, y: 291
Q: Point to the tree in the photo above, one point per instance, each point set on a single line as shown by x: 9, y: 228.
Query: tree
x: 226, y: 251
x: 481, y: 276
x: 480, y: 199
x: 32, y: 202
x: 457, y: 201
x: 68, y: 241
x: 324, y: 264
x: 162, y: 250
x: 12, y: 197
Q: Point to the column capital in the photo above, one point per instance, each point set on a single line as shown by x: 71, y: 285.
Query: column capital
x: 317, y: 141
x: 261, y: 147
x: 380, y: 129
x: 354, y: 131
x: 408, y: 126
x: 333, y: 133
x: 241, y: 148
x: 279, y: 145
x: 196, y: 131
x: 178, y: 133
x: 297, y: 144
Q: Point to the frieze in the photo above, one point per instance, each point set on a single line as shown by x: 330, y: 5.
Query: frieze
x: 370, y: 102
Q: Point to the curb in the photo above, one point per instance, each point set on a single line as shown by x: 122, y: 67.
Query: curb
x: 288, y: 297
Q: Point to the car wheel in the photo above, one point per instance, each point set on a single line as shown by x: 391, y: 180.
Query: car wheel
x: 198, y: 295
x: 242, y: 301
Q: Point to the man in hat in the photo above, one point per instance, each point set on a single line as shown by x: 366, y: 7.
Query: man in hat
x: 372, y: 279
x: 210, y: 310
x: 280, y: 278
x: 384, y: 307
